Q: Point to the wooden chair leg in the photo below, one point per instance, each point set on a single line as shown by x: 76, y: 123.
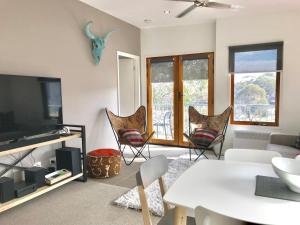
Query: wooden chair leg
x: 163, y: 191
x: 144, y: 205
x: 180, y: 216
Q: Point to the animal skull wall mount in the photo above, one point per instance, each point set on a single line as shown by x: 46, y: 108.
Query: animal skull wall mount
x: 98, y: 43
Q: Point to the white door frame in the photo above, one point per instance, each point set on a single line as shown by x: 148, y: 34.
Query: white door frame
x: 137, y: 94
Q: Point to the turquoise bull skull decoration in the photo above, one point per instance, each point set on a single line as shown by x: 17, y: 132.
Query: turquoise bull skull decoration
x: 98, y: 43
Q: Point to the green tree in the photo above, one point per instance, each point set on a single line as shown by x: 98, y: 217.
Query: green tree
x: 251, y: 94
x: 268, y: 83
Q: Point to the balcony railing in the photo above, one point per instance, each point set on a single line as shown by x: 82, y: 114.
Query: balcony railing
x: 163, y: 118
x: 254, y: 112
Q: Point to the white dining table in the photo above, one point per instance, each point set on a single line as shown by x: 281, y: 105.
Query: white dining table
x: 228, y: 188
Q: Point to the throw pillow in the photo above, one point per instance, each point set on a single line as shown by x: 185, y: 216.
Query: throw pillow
x: 133, y: 136
x: 204, y: 136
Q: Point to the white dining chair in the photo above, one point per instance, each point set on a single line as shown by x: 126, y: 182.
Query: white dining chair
x: 206, y: 217
x: 151, y: 170
x: 250, y: 155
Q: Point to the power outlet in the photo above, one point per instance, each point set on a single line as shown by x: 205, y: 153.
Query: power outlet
x: 52, y: 161
x: 37, y: 164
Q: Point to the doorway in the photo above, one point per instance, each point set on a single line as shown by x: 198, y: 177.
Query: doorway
x: 128, y: 83
x: 173, y: 84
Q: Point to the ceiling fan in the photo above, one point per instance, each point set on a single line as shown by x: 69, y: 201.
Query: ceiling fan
x: 201, y: 3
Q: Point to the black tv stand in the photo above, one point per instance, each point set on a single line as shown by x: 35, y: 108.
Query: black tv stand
x: 30, y: 141
x: 77, y: 131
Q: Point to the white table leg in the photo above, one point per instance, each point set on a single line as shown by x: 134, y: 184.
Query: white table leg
x: 180, y: 216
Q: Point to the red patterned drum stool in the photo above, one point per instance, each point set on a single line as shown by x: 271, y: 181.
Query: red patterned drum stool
x: 104, y: 163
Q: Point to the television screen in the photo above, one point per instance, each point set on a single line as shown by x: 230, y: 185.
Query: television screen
x: 29, y: 106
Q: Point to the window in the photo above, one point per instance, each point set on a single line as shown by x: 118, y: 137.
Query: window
x: 255, y: 83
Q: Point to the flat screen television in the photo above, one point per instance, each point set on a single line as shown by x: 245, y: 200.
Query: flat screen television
x: 29, y: 106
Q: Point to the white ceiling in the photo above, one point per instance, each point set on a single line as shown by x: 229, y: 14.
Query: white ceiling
x: 136, y: 11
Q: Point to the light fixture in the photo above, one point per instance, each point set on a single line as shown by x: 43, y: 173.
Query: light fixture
x: 167, y: 12
x: 236, y: 7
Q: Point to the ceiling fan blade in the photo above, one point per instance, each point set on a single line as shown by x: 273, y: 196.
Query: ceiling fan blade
x: 181, y: 0
x: 188, y: 10
x: 218, y: 5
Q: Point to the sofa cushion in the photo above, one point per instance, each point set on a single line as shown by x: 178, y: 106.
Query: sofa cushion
x: 285, y: 151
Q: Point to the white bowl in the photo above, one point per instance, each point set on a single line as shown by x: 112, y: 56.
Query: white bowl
x: 288, y: 171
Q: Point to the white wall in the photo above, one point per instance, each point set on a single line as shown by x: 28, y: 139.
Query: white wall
x: 235, y: 31
x: 260, y: 29
x: 174, y: 41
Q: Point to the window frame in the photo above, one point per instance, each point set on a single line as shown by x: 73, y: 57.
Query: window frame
x: 256, y: 47
x: 178, y: 93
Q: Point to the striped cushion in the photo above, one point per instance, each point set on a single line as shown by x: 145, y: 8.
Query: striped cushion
x: 204, y: 136
x: 133, y: 136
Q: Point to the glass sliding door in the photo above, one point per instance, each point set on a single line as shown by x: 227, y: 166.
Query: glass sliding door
x: 173, y: 84
x: 161, y: 88
x: 197, y: 79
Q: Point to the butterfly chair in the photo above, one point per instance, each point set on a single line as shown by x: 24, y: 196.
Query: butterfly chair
x: 150, y: 171
x: 205, y: 132
x: 131, y: 131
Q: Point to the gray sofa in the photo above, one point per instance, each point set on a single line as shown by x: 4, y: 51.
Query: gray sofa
x: 284, y: 144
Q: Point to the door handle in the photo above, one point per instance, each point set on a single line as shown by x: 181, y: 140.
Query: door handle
x: 180, y: 95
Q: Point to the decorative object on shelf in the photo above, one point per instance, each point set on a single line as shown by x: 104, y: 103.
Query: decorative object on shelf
x: 98, y: 43
x: 64, y: 131
x: 104, y: 163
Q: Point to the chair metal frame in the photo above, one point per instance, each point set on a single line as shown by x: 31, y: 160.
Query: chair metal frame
x: 137, y: 150
x: 218, y: 140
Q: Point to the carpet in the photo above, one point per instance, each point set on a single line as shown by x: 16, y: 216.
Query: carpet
x: 75, y: 203
x: 131, y: 198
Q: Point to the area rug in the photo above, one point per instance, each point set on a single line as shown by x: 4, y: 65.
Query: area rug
x: 131, y: 198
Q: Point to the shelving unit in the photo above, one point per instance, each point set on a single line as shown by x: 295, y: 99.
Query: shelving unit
x: 77, y: 131
x: 38, y: 192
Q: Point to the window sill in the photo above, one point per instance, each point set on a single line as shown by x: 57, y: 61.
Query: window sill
x: 254, y: 128
x: 257, y: 124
